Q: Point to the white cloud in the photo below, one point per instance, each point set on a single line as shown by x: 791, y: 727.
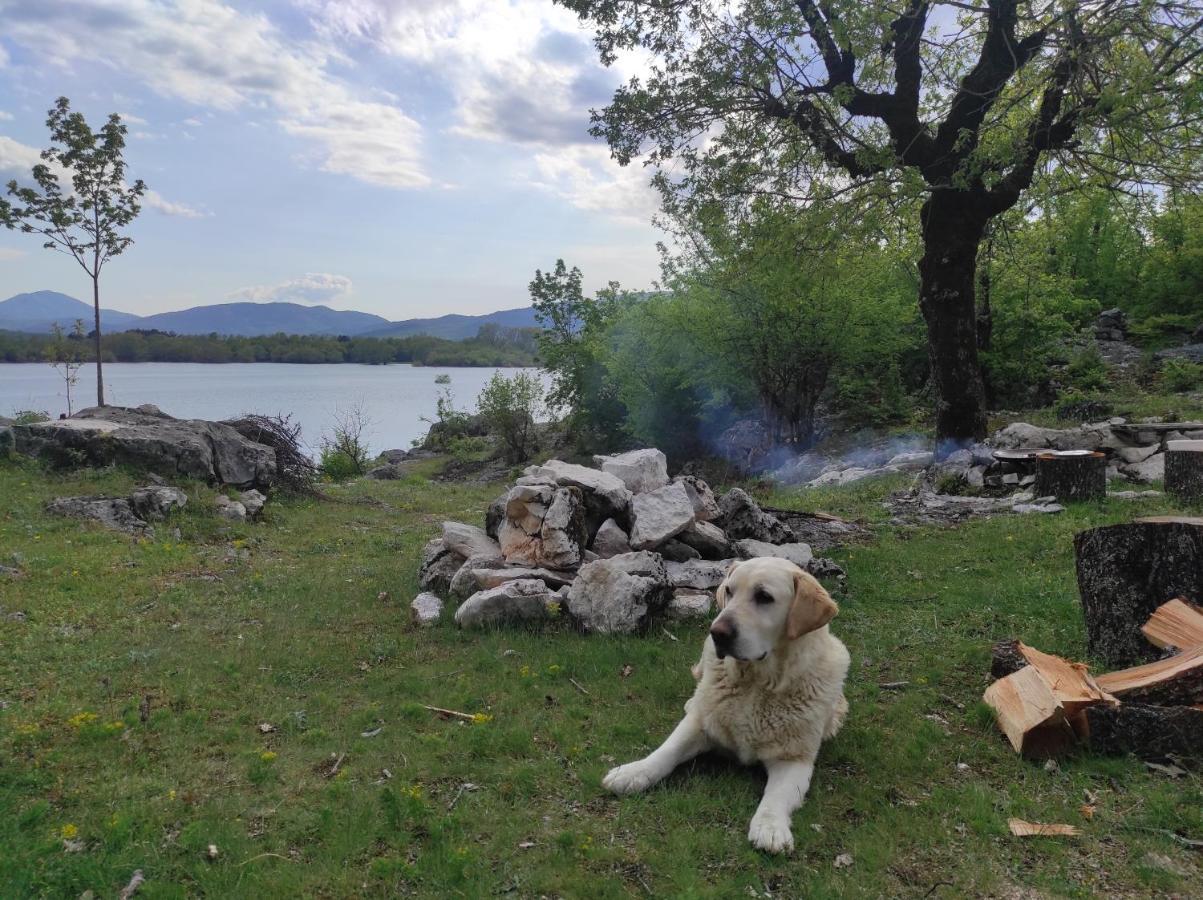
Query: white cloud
x: 215, y: 56
x: 5, y: 116
x: 131, y: 119
x: 10, y: 253
x: 17, y: 160
x: 313, y: 287
x: 587, y: 178
x: 193, y: 122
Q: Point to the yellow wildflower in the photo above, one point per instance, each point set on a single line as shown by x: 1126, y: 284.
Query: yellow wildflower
x: 267, y: 755
x: 79, y: 720
x: 68, y: 831
x: 553, y: 669
x: 171, y: 794
x: 481, y: 718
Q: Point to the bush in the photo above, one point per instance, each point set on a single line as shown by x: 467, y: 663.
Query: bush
x: 344, y: 454
x: 449, y: 424
x: 509, y: 406
x: 336, y: 465
x: 1087, y: 369
x: 30, y: 417
x: 1180, y: 375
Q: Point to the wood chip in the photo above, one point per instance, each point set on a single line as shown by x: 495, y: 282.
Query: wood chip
x: 1020, y: 828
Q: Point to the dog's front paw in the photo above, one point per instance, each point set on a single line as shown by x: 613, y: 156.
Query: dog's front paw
x: 771, y: 833
x: 630, y: 779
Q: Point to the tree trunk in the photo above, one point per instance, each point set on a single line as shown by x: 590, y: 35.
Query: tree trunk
x: 1146, y: 730
x: 1077, y: 477
x: 952, y: 231
x: 96, y: 312
x: 985, y: 313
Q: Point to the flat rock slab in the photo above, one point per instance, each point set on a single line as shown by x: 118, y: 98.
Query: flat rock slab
x: 699, y: 574
x: 639, y: 470
x: 799, y: 554
x: 608, y: 489
x: 520, y: 602
x: 111, y: 512
x: 150, y: 442
x: 469, y: 541
x: 689, y: 603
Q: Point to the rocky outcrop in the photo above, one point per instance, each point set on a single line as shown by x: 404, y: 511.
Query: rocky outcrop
x: 150, y: 441
x: 112, y: 512
x: 521, y: 602
x: 619, y: 595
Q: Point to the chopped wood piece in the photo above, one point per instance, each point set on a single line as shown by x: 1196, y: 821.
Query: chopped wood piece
x: 1146, y: 730
x: 1125, y: 572
x: 1177, y: 680
x: 1020, y: 828
x: 1177, y: 624
x: 1070, y: 683
x: 1029, y: 714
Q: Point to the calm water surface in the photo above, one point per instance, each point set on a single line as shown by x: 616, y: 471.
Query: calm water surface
x: 395, y: 397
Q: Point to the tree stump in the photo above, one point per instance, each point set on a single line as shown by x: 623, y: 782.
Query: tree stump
x: 1072, y: 475
x: 1184, y: 470
x: 1146, y: 730
x: 1126, y: 571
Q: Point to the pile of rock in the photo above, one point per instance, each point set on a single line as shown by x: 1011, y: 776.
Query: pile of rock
x: 1111, y: 325
x: 613, y: 547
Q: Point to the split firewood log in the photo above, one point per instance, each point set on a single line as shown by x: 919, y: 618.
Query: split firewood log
x: 1177, y: 625
x: 1174, y: 681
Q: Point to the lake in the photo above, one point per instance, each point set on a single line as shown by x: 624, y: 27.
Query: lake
x: 395, y: 398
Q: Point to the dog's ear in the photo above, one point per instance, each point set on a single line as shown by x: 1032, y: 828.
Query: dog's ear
x: 720, y: 596
x: 811, y: 609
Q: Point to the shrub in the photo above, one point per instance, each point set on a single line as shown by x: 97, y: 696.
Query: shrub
x: 1180, y: 375
x: 449, y: 423
x: 30, y: 417
x: 336, y: 465
x: 344, y: 454
x: 1087, y: 369
x: 509, y: 406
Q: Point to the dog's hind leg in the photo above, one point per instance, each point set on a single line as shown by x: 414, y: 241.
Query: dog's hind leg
x: 836, y: 721
x: 686, y: 742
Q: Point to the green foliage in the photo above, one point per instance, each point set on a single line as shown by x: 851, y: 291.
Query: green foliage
x: 1181, y: 375
x: 510, y: 408
x: 344, y: 452
x: 1075, y: 406
x: 1087, y: 369
x: 30, y: 416
x: 449, y: 424
x: 338, y: 465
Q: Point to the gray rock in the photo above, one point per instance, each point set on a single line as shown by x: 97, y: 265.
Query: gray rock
x: 700, y: 574
x: 708, y: 539
x: 491, y: 577
x: 495, y: 515
x: 612, y: 495
x: 254, y: 502
x: 155, y: 502
x: 850, y: 475
x: 619, y: 595
x: 639, y: 470
x: 150, y: 442
x: 1150, y: 470
x: 8, y: 442
x: 438, y: 567
x: 1025, y: 508
x: 611, y: 540
x: 111, y: 512
x: 741, y: 517
x: 230, y: 509
x: 659, y: 515
x: 705, y: 507
x: 911, y: 460
x: 544, y: 526
x: 674, y: 550
x: 799, y: 554
x: 425, y: 609
x: 386, y: 472
x: 1133, y: 455
x: 513, y: 603
x: 976, y: 477
x: 466, y: 582
x: 468, y: 540
x: 688, y: 603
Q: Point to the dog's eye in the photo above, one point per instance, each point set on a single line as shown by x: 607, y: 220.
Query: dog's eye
x: 762, y: 597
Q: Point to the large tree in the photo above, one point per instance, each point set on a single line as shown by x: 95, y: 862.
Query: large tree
x: 953, y: 107
x: 86, y: 220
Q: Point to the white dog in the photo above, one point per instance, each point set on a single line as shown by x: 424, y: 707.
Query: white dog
x: 770, y: 690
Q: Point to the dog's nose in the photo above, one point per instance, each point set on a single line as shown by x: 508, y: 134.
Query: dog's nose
x: 723, y: 633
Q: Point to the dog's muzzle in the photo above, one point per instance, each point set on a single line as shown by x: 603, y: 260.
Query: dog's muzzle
x: 724, y: 635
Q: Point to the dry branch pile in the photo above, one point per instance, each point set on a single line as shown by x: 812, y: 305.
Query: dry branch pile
x: 1045, y: 704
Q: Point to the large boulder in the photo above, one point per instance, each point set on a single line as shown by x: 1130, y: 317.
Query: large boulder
x: 799, y: 554
x: 619, y: 595
x: 604, y: 493
x: 150, y: 441
x: 111, y: 512
x: 705, y: 507
x: 659, y: 515
x: 741, y: 517
x: 513, y: 603
x: 639, y: 470
x: 610, y: 540
x: 156, y: 501
x: 708, y: 539
x: 469, y: 541
x: 438, y: 567
x: 544, y: 526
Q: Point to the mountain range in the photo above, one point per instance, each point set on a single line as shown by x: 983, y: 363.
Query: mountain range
x: 36, y: 312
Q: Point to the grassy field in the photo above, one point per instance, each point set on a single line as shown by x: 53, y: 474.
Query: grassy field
x: 159, y: 697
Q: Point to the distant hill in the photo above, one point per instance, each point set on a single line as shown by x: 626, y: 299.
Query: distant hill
x: 455, y: 327
x: 38, y: 311
x: 253, y: 319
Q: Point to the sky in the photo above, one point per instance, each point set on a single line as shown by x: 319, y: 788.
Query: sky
x: 408, y: 158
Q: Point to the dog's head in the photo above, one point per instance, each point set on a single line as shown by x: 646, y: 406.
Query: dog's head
x: 764, y: 603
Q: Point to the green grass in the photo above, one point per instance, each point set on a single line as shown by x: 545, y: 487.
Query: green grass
x: 302, y: 622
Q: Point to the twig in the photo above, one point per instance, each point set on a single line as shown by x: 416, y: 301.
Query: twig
x: 669, y: 634
x: 261, y: 855
x: 939, y: 884
x: 893, y: 685
x: 466, y: 786
x: 338, y: 762
x: 577, y: 685
x: 135, y: 882
x: 467, y: 717
x: 1192, y: 843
